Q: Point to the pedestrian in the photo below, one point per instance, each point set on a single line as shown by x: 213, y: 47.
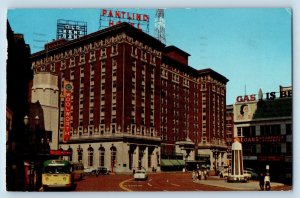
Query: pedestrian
x: 261, y: 181
x: 193, y: 175
x: 267, y: 181
x: 202, y: 175
x: 205, y: 174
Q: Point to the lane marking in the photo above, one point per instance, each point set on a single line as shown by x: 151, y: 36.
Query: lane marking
x: 174, y: 184
x: 133, y: 185
x: 121, y: 185
x: 149, y: 184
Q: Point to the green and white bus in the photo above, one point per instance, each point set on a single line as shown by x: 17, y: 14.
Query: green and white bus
x: 57, y: 174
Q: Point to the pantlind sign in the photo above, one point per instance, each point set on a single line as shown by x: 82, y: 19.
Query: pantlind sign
x: 263, y: 139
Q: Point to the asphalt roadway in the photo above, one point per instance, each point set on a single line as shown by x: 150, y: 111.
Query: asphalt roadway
x: 174, y: 181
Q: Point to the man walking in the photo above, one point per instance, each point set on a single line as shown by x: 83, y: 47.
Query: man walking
x: 261, y: 181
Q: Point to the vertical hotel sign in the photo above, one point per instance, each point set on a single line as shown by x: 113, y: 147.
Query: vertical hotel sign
x: 68, y: 89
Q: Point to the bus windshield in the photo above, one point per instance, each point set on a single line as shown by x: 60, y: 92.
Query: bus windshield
x: 56, y: 170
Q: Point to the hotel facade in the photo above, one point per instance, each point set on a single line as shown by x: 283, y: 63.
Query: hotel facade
x: 121, y: 99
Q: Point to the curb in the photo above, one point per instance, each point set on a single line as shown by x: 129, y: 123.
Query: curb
x: 251, y: 187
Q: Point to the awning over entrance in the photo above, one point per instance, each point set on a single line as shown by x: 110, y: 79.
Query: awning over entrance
x: 172, y: 162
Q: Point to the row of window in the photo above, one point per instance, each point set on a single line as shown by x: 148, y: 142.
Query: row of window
x: 252, y: 149
x: 143, y: 96
x: 101, y: 153
x: 265, y: 130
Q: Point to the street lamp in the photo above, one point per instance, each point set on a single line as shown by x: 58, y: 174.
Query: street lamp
x: 215, y: 155
x: 36, y: 147
x: 36, y: 120
x: 29, y: 152
x: 26, y: 120
x: 228, y: 161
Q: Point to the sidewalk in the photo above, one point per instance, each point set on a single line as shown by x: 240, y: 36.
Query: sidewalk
x: 249, y: 186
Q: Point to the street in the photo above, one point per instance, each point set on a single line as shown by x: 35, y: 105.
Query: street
x: 156, y: 182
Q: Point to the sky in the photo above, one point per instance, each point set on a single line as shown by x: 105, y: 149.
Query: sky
x: 251, y: 47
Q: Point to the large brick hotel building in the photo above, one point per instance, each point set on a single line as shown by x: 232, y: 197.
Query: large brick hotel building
x: 133, y: 100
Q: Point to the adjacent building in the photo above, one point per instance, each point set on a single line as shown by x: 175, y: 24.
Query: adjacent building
x: 120, y: 98
x: 263, y: 123
x: 18, y: 78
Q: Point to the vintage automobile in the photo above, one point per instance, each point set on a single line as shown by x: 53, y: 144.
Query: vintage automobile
x: 249, y: 174
x: 224, y: 173
x: 140, y: 175
x: 102, y: 171
x: 89, y: 170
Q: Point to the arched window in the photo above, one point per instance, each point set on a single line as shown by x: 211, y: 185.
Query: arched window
x: 101, y: 156
x: 113, y: 156
x: 90, y: 156
x: 79, y: 153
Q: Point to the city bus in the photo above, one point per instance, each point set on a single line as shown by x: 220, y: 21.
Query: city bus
x: 57, y: 174
x: 77, y: 170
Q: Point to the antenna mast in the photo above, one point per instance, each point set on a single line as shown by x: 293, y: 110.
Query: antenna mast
x: 160, y: 25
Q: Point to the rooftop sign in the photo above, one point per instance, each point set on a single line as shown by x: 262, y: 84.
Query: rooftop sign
x: 267, y: 96
x: 109, y: 18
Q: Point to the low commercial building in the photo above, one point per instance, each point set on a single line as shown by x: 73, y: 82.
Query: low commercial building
x: 263, y: 123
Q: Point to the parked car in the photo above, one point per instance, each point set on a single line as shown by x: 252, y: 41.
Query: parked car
x: 247, y: 175
x: 89, y: 170
x: 224, y: 173
x: 103, y: 171
x: 140, y: 175
x: 250, y: 175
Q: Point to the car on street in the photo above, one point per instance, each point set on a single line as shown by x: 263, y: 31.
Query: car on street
x: 250, y: 174
x: 224, y: 173
x: 247, y: 175
x: 140, y: 175
x: 103, y: 171
x: 89, y: 170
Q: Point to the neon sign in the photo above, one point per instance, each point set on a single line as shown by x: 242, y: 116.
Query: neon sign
x: 68, y: 88
x: 70, y: 30
x: 263, y: 139
x: 110, y: 18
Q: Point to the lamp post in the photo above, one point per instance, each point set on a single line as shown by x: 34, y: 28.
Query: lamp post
x: 28, y: 151
x: 215, y: 155
x: 228, y: 162
x: 35, y: 148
